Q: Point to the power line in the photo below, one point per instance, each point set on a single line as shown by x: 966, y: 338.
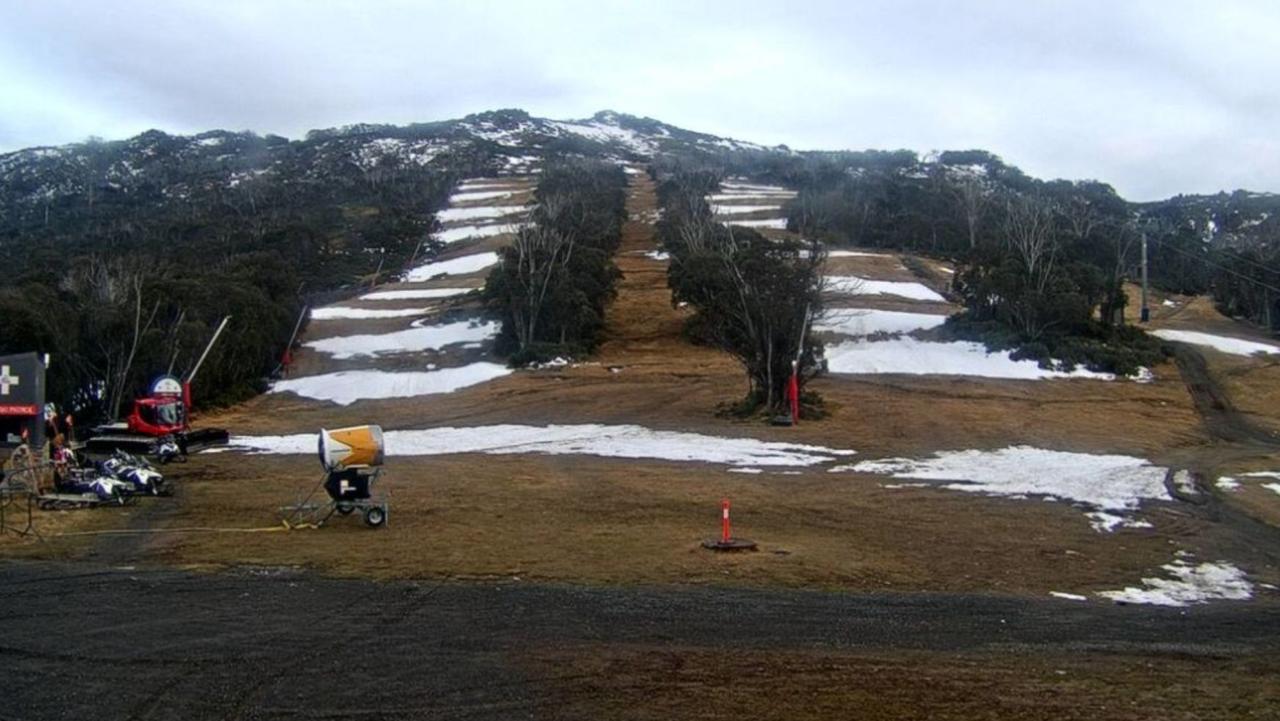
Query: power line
x: 1236, y: 254
x: 1222, y: 268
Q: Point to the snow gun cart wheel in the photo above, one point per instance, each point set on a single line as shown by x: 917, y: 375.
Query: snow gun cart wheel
x: 375, y: 516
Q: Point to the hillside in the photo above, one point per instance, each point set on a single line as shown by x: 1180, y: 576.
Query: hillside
x: 156, y: 167
x: 959, y: 518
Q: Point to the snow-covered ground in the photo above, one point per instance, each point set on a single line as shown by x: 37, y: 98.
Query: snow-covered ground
x: 1187, y: 584
x: 347, y: 387
x: 605, y: 132
x: 742, y: 185
x: 1109, y: 486
x: 483, y: 212
x: 470, y: 197
x: 418, y: 294
x: 746, y: 197
x: 1068, y: 596
x: 454, y: 266
x: 743, y: 209
x: 737, y: 198
x: 453, y: 235
x: 1226, y: 344
x: 411, y: 340
x: 733, y: 190
x: 961, y: 358
x: 479, y: 184
x: 620, y: 441
x: 1231, y: 484
x: 857, y: 254
x: 773, y: 223
x: 857, y: 322
x: 857, y: 285
x: 341, y: 312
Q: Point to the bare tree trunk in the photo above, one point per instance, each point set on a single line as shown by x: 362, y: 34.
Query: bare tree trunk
x: 138, y: 330
x: 972, y: 196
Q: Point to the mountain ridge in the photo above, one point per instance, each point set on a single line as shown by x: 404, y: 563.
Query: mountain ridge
x: 165, y: 166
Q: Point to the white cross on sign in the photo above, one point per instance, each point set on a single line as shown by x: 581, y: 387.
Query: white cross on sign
x: 6, y: 381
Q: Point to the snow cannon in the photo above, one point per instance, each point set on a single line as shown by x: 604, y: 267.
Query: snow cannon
x: 352, y: 459
x: 355, y: 447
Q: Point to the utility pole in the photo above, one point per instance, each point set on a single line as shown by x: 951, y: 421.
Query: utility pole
x: 1146, y: 313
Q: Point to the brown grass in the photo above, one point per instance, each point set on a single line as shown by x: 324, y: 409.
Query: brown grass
x: 617, y: 521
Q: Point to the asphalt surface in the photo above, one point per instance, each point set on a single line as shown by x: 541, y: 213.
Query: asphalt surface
x: 80, y: 641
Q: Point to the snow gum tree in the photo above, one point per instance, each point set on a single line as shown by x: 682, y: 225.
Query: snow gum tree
x: 550, y: 287
x: 755, y: 298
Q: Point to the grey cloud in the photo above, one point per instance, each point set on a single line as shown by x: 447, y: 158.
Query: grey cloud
x: 1153, y: 97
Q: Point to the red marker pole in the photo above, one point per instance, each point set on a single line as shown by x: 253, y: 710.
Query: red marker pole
x: 724, y: 520
x: 727, y: 542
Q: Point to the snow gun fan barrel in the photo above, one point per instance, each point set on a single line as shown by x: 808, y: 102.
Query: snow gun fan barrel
x: 353, y: 447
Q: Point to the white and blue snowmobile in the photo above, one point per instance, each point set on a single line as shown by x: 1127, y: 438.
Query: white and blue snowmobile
x: 141, y: 477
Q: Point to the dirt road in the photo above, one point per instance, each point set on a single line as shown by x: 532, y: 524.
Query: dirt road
x: 84, y: 641
x: 1222, y: 420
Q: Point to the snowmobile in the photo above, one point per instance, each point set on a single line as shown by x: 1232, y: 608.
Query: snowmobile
x: 84, y: 488
x: 159, y: 425
x: 140, y: 475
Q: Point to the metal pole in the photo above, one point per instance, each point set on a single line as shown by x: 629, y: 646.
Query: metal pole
x: 1145, y: 312
x: 192, y: 375
x: 298, y: 325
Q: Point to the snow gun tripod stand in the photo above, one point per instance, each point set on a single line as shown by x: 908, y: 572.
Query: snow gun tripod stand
x: 345, y: 492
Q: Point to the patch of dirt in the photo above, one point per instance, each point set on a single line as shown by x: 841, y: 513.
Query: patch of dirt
x: 1221, y: 419
x: 662, y: 682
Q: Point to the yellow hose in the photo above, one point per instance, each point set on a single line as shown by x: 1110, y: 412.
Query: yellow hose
x: 284, y: 526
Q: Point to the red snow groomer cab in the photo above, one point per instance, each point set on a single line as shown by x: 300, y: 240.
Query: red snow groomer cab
x: 159, y: 425
x: 158, y: 415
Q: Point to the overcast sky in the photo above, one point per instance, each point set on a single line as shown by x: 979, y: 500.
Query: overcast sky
x: 1155, y: 98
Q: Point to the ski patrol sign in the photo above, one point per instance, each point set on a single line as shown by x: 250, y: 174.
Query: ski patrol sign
x: 21, y: 398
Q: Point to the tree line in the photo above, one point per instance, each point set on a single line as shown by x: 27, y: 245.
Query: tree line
x: 123, y: 275
x: 945, y: 204
x: 1042, y: 264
